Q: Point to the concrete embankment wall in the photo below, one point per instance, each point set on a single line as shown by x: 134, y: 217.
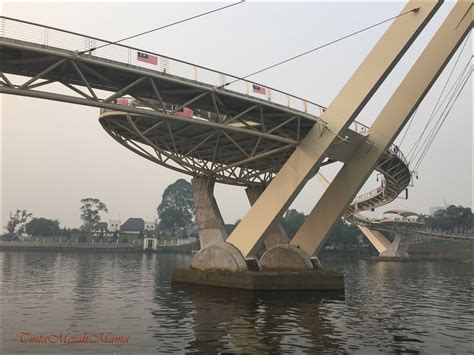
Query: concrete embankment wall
x: 92, y: 247
x: 76, y: 247
x: 442, y: 247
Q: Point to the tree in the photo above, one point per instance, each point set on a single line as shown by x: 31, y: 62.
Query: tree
x: 115, y: 236
x: 292, y: 221
x: 42, y: 227
x: 450, y: 218
x: 16, y: 220
x: 176, y: 209
x: 90, y: 212
x: 344, y: 235
x: 229, y: 228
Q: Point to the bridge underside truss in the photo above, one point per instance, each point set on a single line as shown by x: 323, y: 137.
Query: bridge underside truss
x: 197, y: 150
x: 235, y: 138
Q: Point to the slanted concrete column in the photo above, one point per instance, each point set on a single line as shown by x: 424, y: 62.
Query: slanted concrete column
x: 309, y: 154
x: 391, y: 120
x: 279, y: 255
x: 208, y: 217
x: 377, y: 239
x: 397, y: 247
x: 275, y: 234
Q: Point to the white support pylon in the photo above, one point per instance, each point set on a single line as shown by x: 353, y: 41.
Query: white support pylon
x: 307, y: 157
x: 317, y: 226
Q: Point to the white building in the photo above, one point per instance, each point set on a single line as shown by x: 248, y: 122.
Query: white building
x: 150, y: 226
x: 114, y: 225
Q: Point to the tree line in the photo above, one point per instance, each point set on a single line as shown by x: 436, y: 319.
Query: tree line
x: 451, y: 218
x: 176, y: 214
x: 176, y: 211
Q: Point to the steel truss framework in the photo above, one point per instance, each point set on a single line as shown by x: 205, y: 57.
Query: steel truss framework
x: 236, y: 138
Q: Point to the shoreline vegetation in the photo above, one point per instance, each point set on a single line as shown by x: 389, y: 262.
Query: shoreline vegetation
x: 176, y: 225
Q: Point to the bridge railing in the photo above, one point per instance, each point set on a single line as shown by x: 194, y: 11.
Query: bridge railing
x: 177, y: 242
x: 401, y: 219
x: 369, y: 195
x: 92, y: 47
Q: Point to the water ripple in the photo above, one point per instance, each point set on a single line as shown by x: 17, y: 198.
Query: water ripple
x: 387, y: 307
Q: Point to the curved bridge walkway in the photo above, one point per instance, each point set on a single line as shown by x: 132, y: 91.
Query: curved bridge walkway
x: 240, y: 132
x: 404, y: 225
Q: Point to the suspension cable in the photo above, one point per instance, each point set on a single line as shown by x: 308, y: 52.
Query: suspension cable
x: 163, y: 27
x: 320, y: 47
x: 444, y: 119
x: 448, y: 111
x: 448, y: 98
x: 426, y: 141
x: 436, y: 107
x: 412, y: 118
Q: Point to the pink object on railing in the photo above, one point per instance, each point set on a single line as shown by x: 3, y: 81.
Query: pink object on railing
x: 122, y: 101
x: 186, y: 112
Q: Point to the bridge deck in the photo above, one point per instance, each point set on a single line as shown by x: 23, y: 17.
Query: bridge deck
x: 236, y: 135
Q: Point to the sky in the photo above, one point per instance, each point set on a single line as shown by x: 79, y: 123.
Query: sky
x: 54, y: 154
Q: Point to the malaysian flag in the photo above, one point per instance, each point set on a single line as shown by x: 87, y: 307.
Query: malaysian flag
x: 147, y: 58
x: 258, y: 89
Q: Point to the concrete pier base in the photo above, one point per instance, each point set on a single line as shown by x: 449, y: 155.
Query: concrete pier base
x: 318, y: 279
x: 285, y: 257
x: 391, y: 258
x: 398, y: 248
x: 391, y: 254
x: 221, y: 264
x: 220, y: 256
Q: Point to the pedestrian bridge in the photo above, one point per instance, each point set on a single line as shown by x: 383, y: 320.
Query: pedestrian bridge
x: 183, y: 116
x: 406, y: 226
x: 234, y: 134
x: 218, y: 127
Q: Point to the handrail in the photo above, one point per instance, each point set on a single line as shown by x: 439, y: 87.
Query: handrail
x: 64, y: 39
x: 169, y: 65
x: 67, y: 40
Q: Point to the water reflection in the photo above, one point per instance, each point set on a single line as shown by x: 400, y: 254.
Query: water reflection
x: 387, y: 307
x: 246, y: 322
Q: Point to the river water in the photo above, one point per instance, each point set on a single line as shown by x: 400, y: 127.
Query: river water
x: 405, y: 307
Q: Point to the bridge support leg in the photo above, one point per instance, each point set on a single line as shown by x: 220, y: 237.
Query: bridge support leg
x: 215, y: 253
x: 308, y: 156
x: 209, y: 220
x: 377, y: 239
x: 278, y: 255
x: 221, y: 264
x: 275, y: 234
x: 396, y: 250
x: 403, y: 247
x: 329, y: 209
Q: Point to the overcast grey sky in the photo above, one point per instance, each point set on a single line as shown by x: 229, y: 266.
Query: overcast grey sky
x: 54, y: 154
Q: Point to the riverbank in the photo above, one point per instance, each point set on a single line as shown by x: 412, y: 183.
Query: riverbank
x: 447, y: 257
x: 91, y: 247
